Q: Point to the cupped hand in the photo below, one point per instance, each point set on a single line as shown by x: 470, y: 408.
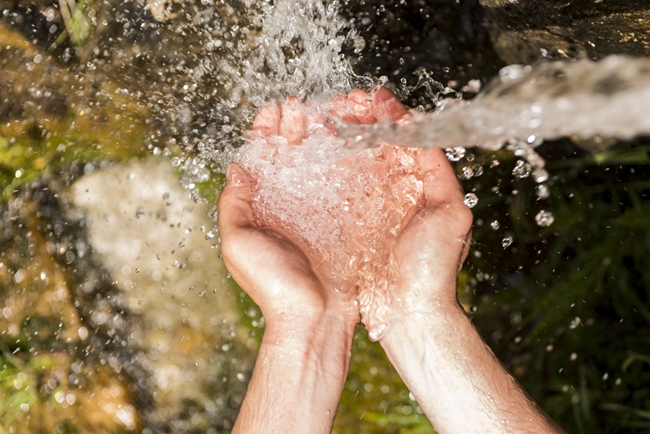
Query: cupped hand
x: 430, y: 250
x: 283, y: 276
x: 271, y: 268
x: 279, y: 275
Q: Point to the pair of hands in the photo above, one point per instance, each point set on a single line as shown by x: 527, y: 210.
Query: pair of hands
x: 284, y: 281
x: 304, y: 357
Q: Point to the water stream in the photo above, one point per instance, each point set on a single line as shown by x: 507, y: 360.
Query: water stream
x: 296, y: 50
x: 579, y: 99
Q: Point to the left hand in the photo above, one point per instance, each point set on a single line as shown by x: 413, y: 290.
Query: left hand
x: 268, y: 265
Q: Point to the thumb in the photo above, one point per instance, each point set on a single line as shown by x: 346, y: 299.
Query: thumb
x: 441, y: 185
x: 235, y: 211
x: 386, y: 105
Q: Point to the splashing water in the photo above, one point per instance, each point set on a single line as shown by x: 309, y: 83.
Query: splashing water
x: 580, y: 99
x: 297, y: 53
x: 347, y: 218
x: 343, y: 206
x: 283, y: 48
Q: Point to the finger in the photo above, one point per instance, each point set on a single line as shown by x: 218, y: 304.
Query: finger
x: 340, y: 109
x: 444, y: 196
x: 361, y: 106
x: 235, y: 211
x: 358, y: 96
x: 292, y: 122
x: 385, y: 105
x: 267, y: 120
x: 441, y: 185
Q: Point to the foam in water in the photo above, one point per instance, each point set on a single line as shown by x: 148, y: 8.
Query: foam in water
x: 343, y: 206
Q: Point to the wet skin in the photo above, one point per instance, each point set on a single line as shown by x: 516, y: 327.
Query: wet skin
x: 305, y: 352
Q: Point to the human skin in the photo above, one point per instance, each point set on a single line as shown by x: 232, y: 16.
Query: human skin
x: 305, y: 351
x: 459, y: 383
x: 304, y: 355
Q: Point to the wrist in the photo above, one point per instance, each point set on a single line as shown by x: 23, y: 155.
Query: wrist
x: 325, y: 340
x: 300, y: 372
x: 420, y: 305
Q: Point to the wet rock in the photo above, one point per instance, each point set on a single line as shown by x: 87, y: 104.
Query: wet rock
x: 528, y: 30
x: 397, y: 38
x: 159, y: 246
x: 60, y: 367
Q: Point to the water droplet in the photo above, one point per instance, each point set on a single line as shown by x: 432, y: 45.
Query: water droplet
x: 544, y: 218
x: 473, y: 309
x: 455, y: 154
x: 381, y: 81
x: 522, y: 169
x: 495, y: 225
x: 542, y: 191
x: 468, y: 172
x: 506, y: 242
x: 161, y: 215
x: 478, y: 170
x: 540, y: 175
x: 470, y: 200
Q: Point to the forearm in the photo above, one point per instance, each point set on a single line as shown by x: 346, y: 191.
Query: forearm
x: 298, y: 377
x: 456, y: 379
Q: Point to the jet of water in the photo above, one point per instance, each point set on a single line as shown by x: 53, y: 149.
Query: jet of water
x: 582, y: 99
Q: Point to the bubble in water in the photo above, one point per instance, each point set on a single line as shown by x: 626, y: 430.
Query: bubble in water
x: 495, y: 225
x: 455, y: 154
x: 478, y: 170
x: 542, y: 191
x: 468, y: 172
x: 544, y: 218
x: 506, y: 241
x: 522, y: 169
x: 540, y: 175
x: 470, y: 200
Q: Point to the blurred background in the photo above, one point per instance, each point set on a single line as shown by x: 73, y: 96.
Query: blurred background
x: 116, y: 120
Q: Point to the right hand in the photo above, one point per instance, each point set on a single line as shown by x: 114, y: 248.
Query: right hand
x: 435, y: 241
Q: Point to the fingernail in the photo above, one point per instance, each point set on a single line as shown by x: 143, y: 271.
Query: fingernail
x: 235, y: 178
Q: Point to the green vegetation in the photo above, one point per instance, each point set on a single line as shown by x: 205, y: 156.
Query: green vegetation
x: 567, y: 307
